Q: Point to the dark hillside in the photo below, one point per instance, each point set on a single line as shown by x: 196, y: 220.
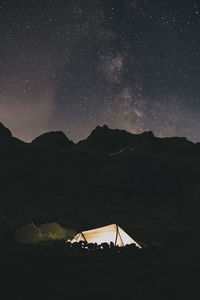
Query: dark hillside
x: 111, y: 176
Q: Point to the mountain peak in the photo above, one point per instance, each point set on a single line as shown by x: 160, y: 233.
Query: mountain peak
x: 112, y: 140
x: 101, y: 128
x: 105, y: 127
x: 102, y: 131
x: 5, y: 134
x: 53, y: 138
x: 148, y: 134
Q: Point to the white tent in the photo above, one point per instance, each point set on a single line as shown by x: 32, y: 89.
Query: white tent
x: 107, y: 234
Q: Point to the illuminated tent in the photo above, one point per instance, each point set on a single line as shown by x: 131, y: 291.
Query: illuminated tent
x: 107, y: 234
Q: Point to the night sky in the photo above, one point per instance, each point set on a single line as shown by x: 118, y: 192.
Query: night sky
x: 73, y: 65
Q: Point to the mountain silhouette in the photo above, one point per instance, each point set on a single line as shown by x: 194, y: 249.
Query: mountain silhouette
x: 7, y: 141
x: 54, y: 139
x: 113, y: 140
x: 110, y: 176
x: 5, y: 135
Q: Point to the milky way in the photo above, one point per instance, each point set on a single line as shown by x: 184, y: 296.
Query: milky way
x: 72, y: 65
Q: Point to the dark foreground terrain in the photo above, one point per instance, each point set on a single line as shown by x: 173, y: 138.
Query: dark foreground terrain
x: 147, y: 185
x: 172, y: 272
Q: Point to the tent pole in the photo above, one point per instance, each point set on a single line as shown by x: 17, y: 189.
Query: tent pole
x: 121, y: 238
x: 83, y: 237
x: 116, y: 234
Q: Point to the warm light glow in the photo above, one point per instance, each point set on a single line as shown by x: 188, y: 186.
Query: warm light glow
x: 106, y: 234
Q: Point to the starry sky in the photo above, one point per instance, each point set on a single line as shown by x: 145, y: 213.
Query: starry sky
x: 72, y: 65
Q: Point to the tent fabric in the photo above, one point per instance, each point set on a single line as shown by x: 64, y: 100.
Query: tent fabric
x: 29, y: 234
x: 48, y: 231
x: 107, y: 234
x: 53, y: 231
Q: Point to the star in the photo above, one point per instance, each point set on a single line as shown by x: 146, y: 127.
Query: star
x: 74, y: 65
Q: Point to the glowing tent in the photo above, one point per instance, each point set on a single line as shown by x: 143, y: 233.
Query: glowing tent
x: 107, y: 234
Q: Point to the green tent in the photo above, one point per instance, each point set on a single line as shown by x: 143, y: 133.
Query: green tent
x: 29, y: 234
x: 54, y: 231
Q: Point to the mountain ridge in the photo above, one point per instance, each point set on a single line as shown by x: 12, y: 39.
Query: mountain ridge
x: 53, y: 138
x: 94, y: 180
x: 106, y: 140
x: 96, y: 129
